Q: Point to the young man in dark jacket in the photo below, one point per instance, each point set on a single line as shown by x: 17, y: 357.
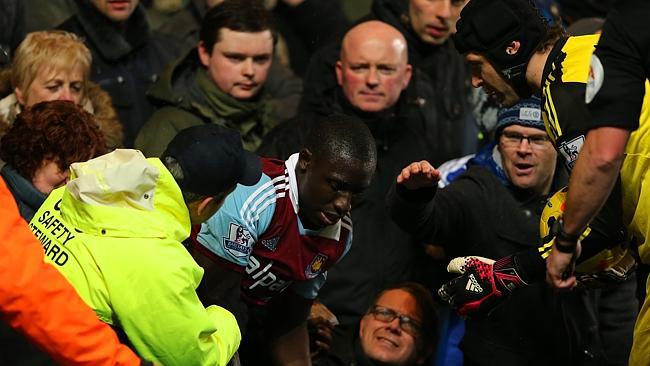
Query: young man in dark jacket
x: 221, y: 82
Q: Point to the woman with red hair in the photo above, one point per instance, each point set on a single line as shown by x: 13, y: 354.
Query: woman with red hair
x: 40, y: 146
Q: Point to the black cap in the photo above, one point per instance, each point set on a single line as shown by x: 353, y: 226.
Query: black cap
x: 488, y: 27
x: 213, y: 159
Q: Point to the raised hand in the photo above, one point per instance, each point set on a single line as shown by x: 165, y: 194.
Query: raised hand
x: 418, y: 175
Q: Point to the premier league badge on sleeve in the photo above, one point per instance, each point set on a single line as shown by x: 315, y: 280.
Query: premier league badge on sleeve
x: 570, y: 150
x: 316, y: 266
x: 239, y: 241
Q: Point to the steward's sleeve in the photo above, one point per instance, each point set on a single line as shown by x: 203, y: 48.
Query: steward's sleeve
x: 39, y: 302
x: 154, y: 300
x: 245, y: 215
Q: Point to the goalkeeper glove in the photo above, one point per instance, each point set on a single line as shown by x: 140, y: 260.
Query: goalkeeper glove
x: 482, y: 286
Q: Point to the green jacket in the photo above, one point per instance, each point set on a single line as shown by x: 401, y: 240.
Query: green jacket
x: 115, y: 232
x: 186, y: 96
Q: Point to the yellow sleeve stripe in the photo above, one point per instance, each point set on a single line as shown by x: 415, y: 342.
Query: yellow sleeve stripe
x: 551, y: 121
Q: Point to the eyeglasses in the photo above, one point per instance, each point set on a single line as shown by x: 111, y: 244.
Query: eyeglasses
x: 386, y: 315
x: 514, y: 139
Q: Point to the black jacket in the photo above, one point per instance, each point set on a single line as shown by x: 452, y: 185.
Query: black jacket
x: 435, y: 99
x: 478, y: 215
x: 125, y: 62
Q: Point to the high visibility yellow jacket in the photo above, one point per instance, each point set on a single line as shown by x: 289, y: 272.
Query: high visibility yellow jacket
x: 115, y: 232
x: 36, y: 300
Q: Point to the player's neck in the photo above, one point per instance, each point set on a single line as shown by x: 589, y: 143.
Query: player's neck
x: 535, y: 69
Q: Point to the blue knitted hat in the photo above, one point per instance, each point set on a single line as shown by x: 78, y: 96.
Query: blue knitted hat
x: 527, y: 113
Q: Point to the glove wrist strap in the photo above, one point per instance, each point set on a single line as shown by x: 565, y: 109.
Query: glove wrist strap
x: 507, y: 274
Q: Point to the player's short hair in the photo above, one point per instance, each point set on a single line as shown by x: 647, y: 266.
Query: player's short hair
x: 341, y: 138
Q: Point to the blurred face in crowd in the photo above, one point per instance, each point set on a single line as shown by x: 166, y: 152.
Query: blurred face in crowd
x: 385, y: 340
x: 49, y: 176
x: 434, y: 20
x: 212, y: 3
x: 240, y: 61
x: 52, y: 84
x: 116, y: 10
x: 485, y: 76
x: 326, y: 187
x: 528, y: 162
x: 373, y: 69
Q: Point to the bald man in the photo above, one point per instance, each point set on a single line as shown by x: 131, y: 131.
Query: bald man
x: 373, y: 68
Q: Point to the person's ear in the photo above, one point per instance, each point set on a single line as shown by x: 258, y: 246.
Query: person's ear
x: 339, y: 72
x: 513, y: 48
x: 204, y: 55
x: 204, y: 205
x: 362, y: 326
x: 407, y: 76
x: 19, y: 96
x: 305, y: 158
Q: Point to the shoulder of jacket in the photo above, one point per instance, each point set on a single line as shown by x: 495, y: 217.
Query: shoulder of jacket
x: 105, y: 115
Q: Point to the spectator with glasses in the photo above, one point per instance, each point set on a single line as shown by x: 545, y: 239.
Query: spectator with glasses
x: 399, y: 329
x: 493, y: 210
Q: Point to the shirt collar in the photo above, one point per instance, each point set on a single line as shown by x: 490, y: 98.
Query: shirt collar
x: 332, y: 231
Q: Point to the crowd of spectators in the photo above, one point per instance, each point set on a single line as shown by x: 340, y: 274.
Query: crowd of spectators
x: 253, y: 182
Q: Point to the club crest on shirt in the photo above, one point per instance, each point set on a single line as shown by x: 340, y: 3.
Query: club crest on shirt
x: 271, y: 243
x: 570, y: 150
x: 239, y: 241
x: 316, y: 266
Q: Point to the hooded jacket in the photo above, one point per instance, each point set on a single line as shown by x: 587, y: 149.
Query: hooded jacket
x: 97, y: 102
x: 39, y: 303
x: 115, y: 233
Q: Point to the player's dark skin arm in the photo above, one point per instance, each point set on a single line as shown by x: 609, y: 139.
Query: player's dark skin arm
x: 287, y: 326
x: 221, y: 286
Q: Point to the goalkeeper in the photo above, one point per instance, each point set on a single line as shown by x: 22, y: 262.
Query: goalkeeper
x: 493, y: 211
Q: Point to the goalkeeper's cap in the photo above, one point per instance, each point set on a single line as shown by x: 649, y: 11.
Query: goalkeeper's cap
x: 489, y: 26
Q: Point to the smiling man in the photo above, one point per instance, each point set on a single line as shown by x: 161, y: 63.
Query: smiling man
x: 220, y: 81
x: 398, y: 329
x: 267, y: 251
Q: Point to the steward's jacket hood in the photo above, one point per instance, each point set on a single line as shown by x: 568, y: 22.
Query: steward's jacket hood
x: 115, y: 231
x: 122, y: 194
